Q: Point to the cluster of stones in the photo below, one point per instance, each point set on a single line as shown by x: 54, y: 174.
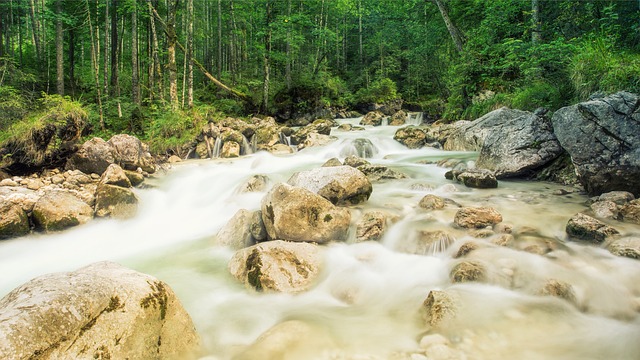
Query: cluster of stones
x: 97, y: 183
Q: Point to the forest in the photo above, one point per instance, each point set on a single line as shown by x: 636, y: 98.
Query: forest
x: 161, y: 69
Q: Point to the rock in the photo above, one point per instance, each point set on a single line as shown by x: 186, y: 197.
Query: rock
x: 130, y: 153
x: 58, y: 210
x: 280, y: 149
x: 332, y: 162
x: 628, y: 246
x: 114, y: 201
x: 380, y: 172
x: 427, y: 242
x: 560, y: 289
x: 342, y: 185
x: 255, y: 183
x: 605, y: 209
x: 465, y: 249
x: 373, y: 118
x: 601, y: 135
x: 236, y: 233
x: 230, y: 149
x: 267, y: 136
x: 297, y: 214
x: 202, y: 150
x: 371, y: 227
x: 277, y: 266
x: 355, y: 161
x: 256, y: 227
x: 8, y: 182
x: 511, y: 142
x: 114, y: 175
x: 583, y: 227
x: 477, y: 217
x: 135, y: 178
x: 411, y: 137
x: 631, y: 212
x: 102, y: 311
x: 431, y: 202
x: 439, y: 308
x: 315, y: 139
x: 318, y: 127
x: 618, y: 197
x: 94, y: 156
x: 13, y: 220
x: 174, y: 159
x: 359, y: 147
x: 468, y: 271
x: 478, y: 178
x: 399, y: 118
x: 503, y: 240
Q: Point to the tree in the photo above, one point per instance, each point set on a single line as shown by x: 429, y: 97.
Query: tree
x: 135, y: 82
x: 267, y: 59
x: 456, y: 35
x: 59, y: 49
x: 172, y: 38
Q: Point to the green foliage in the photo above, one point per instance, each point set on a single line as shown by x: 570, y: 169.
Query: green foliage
x: 380, y: 91
x: 12, y: 106
x: 171, y: 130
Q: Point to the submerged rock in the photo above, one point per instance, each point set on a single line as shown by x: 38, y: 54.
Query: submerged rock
x: 467, y: 271
x: 477, y: 217
x: 431, y: 202
x: 628, y: 246
x: 439, y: 308
x: 342, y: 185
x: 559, y: 289
x: 601, y: 135
x: 297, y: 214
x: 380, y: 172
x: 102, y: 311
x: 478, y: 178
x: 631, y: 212
x: 279, y: 266
x: 58, y: 210
x: 371, y: 227
x: 236, y: 233
x: 253, y: 184
x: 584, y: 227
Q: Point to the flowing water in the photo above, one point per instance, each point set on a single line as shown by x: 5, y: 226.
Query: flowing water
x: 365, y: 305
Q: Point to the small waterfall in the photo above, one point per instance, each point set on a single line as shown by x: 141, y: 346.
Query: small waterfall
x: 385, y: 121
x: 360, y: 147
x: 415, y: 118
x: 285, y: 139
x: 248, y: 147
x: 217, y: 146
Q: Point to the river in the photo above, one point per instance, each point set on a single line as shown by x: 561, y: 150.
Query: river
x: 504, y: 318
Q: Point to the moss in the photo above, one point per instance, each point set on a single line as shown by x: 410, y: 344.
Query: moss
x: 158, y: 298
x: 328, y: 218
x: 253, y: 266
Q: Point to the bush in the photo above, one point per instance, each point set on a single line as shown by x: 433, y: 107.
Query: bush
x: 380, y: 91
x: 12, y: 106
x: 169, y: 130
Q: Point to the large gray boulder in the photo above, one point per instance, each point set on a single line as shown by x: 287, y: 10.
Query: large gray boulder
x: 603, y: 138
x: 115, y: 201
x: 511, y: 142
x: 94, y: 156
x: 586, y: 228
x: 130, y: 153
x: 411, y: 136
x: 373, y: 118
x: 102, y: 311
x: 342, y: 185
x: 277, y: 266
x: 236, y: 233
x: 297, y: 214
x: 58, y: 210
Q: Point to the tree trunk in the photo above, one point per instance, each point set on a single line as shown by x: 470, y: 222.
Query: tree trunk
x: 288, y: 49
x: 267, y: 60
x: 1, y: 35
x: 190, y: 19
x: 233, y: 44
x: 155, y: 53
x: 360, y: 49
x: 105, y: 71
x: 453, y: 30
x: 219, y: 39
x: 95, y: 65
x: 35, y: 31
x: 72, y: 63
x: 171, y: 55
x: 114, y: 47
x: 59, y: 50
x: 535, y: 20
x: 135, y: 77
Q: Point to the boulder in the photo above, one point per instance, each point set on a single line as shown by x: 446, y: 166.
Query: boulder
x: 439, y: 308
x: 102, y: 311
x: 631, y: 212
x: 58, y: 210
x: 115, y: 201
x: 618, y: 197
x: 373, y: 118
x: 371, y: 227
x: 230, y: 149
x: 254, y: 184
x: 605, y: 209
x: 584, y: 227
x: 399, y: 118
x: 114, y: 175
x: 174, y: 159
x: 13, y: 220
x: 130, y: 153
x: 135, y: 178
x: 478, y: 178
x: 628, y: 246
x: 342, y: 185
x: 560, y: 289
x: 94, y: 156
x: 297, y: 214
x: 601, y: 135
x: 360, y: 147
x: 256, y: 227
x: 277, y: 266
x: 315, y: 139
x: 380, y: 172
x: 332, y: 162
x: 266, y: 136
x: 468, y: 271
x: 355, y: 161
x: 511, y: 142
x: 431, y: 202
x: 236, y: 233
x: 280, y: 149
x: 318, y: 127
x: 477, y: 217
x: 427, y: 242
x: 411, y: 137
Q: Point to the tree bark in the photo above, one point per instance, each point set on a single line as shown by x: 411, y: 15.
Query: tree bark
x: 155, y: 54
x: 59, y: 50
x: 267, y: 60
x: 171, y: 55
x: 535, y: 20
x: 190, y: 53
x: 219, y: 39
x: 114, y: 47
x: 360, y: 48
x: 105, y: 71
x: 72, y: 63
x: 35, y: 31
x: 288, y: 48
x: 95, y: 65
x: 233, y: 64
x: 457, y: 37
x: 135, y: 77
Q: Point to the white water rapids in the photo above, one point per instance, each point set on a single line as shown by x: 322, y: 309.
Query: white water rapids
x: 171, y: 239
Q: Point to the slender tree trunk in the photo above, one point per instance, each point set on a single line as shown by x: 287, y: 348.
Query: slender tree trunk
x: 190, y: 19
x: 1, y: 35
x: 219, y: 39
x: 20, y: 39
x: 105, y: 71
x: 35, y: 31
x: 114, y: 47
x: 267, y: 60
x: 95, y: 64
x: 171, y: 55
x: 72, y: 62
x: 288, y: 49
x: 59, y: 49
x: 233, y: 44
x: 155, y: 50
x: 535, y: 19
x: 360, y: 48
x: 453, y: 30
x: 135, y: 77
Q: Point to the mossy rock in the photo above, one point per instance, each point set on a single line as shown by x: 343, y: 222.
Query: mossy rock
x: 115, y: 201
x: 13, y: 220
